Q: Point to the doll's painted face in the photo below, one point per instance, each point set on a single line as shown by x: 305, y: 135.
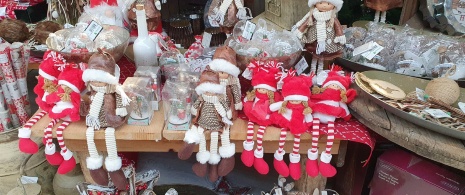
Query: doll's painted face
x: 223, y: 75
x: 295, y: 101
x: 334, y: 86
x: 262, y: 91
x: 97, y: 83
x: 324, y: 6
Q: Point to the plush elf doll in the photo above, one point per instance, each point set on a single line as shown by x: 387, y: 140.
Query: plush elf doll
x: 66, y: 102
x: 293, y: 114
x: 47, y: 84
x: 224, y: 62
x: 256, y: 108
x: 330, y: 103
x: 106, y: 11
x: 107, y: 110
x: 321, y: 32
x: 226, y: 13
x: 211, y: 114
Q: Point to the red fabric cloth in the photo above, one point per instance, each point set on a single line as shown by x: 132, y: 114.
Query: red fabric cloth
x: 257, y: 112
x: 127, y: 69
x: 296, y: 125
x: 12, y: 5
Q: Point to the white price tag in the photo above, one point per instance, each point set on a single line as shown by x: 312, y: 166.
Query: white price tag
x: 437, y: 113
x: 373, y: 51
x: 363, y: 48
x: 249, y: 29
x: 2, y: 11
x: 324, y: 192
x: 207, y: 38
x: 420, y: 94
x: 93, y: 30
x: 462, y: 106
x: 278, y: 191
x: 301, y: 66
x: 27, y: 180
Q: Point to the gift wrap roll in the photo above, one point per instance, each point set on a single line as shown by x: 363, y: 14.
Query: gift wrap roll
x: 17, y: 54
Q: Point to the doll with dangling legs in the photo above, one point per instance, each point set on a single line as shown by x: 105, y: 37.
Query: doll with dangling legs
x: 256, y: 108
x: 226, y: 13
x: 67, y: 101
x: 293, y: 114
x: 321, y: 32
x: 330, y: 103
x: 47, y: 84
x: 107, y: 110
x: 211, y: 114
x: 381, y: 7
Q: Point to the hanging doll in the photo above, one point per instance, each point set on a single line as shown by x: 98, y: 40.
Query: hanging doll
x: 211, y: 114
x: 381, y: 7
x: 66, y: 102
x: 330, y: 103
x: 224, y: 62
x: 256, y: 108
x: 105, y: 11
x: 226, y: 13
x: 47, y: 84
x: 107, y: 110
x: 321, y: 32
x: 152, y: 11
x: 293, y: 114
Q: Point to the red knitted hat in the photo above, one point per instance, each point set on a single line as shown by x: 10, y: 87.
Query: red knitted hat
x: 72, y: 78
x: 297, y: 88
x: 335, y: 78
x: 265, y: 79
x: 95, y: 3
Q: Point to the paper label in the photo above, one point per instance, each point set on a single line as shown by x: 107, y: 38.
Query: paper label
x: 27, y: 180
x: 93, y: 30
x: 301, y: 66
x: 206, y: 40
x: 278, y: 191
x: 155, y: 105
x: 2, y: 11
x: 248, y: 30
x: 420, y: 94
x: 462, y: 106
x: 324, y: 192
x: 437, y: 113
x: 373, y: 51
x: 199, y: 65
x: 363, y: 48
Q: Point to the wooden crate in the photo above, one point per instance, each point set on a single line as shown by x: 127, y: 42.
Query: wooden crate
x: 285, y: 13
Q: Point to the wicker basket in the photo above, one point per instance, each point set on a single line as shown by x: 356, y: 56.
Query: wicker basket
x: 13, y: 30
x: 44, y: 28
x: 288, y: 61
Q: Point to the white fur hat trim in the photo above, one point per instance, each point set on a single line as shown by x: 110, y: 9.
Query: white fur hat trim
x: 222, y: 65
x: 336, y: 3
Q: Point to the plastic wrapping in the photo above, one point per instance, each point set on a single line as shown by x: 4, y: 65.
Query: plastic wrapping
x: 140, y: 91
x: 177, y: 101
x: 154, y: 74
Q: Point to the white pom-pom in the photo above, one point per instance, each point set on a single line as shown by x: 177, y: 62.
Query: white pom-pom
x: 158, y: 5
x: 55, y: 14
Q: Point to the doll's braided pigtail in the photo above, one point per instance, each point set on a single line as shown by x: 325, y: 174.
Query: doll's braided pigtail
x: 307, y: 109
x: 270, y: 96
x: 65, y: 96
x: 282, y: 110
x: 251, y: 95
x: 49, y: 86
x: 317, y: 90
x: 343, y: 96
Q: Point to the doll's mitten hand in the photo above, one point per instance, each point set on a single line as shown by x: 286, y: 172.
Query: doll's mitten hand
x: 340, y: 39
x: 347, y: 118
x: 227, y: 121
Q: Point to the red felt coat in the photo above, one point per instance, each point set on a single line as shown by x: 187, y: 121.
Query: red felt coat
x: 293, y: 119
x: 258, y: 110
x: 62, y: 109
x: 330, y: 102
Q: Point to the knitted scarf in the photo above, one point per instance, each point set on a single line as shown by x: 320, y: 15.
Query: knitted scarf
x: 321, y: 19
x: 296, y: 125
x: 92, y: 119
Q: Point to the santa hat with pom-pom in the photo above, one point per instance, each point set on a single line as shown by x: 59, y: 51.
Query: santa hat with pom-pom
x: 265, y: 79
x: 337, y: 3
x: 224, y: 60
x: 297, y: 88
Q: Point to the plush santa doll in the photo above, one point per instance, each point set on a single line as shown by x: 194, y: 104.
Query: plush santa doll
x: 105, y: 11
x: 49, y: 70
x: 256, y: 108
x: 293, y: 114
x: 224, y: 62
x: 330, y: 103
x: 66, y: 102
x: 321, y: 32
x: 211, y: 114
x: 107, y: 110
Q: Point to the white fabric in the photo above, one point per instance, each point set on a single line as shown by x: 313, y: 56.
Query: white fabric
x: 275, y: 106
x: 296, y: 98
x: 324, y: 118
x: 202, y: 157
x: 258, y: 153
x: 312, y: 155
x: 214, y: 158
x: 113, y: 164
x: 92, y: 119
x: 192, y: 136
x: 325, y: 157
x: 99, y: 75
x: 26, y: 133
x: 264, y: 86
x: 227, y: 151
x: 209, y: 87
x: 222, y: 65
x: 308, y: 118
x: 294, y: 158
x: 279, y: 156
x: 50, y: 149
x: 46, y: 75
x: 248, y: 146
x: 238, y: 106
x: 44, y: 97
x: 66, y: 155
x: 68, y: 84
x: 321, y: 19
x: 336, y: 3
x: 339, y: 84
x: 60, y: 106
x: 94, y: 163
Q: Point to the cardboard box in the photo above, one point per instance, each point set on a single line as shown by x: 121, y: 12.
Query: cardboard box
x: 285, y: 13
x: 401, y: 173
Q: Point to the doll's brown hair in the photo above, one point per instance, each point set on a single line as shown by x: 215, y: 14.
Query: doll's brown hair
x: 251, y: 95
x: 49, y: 86
x: 65, y: 96
x: 307, y: 109
x: 318, y: 90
